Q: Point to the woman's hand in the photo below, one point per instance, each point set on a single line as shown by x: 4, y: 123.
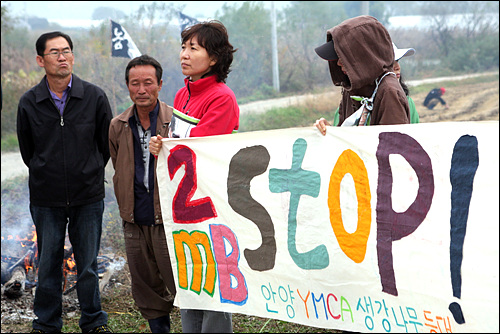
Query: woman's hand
x: 321, y: 125
x: 155, y: 145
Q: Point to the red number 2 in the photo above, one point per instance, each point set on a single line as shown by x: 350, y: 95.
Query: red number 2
x: 185, y: 210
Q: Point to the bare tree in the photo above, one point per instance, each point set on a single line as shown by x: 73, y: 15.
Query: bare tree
x: 474, y: 21
x: 438, y: 13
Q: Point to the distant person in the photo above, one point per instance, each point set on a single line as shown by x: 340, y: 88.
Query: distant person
x: 362, y: 69
x: 136, y: 190
x: 62, y: 129
x: 205, y: 58
x: 434, y: 97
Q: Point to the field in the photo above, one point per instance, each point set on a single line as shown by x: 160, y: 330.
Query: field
x: 468, y: 99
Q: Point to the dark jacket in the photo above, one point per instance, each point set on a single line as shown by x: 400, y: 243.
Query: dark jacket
x: 434, y: 94
x: 121, y: 146
x: 366, y: 52
x: 66, y: 156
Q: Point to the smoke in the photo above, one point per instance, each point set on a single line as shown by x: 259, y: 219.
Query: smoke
x: 16, y: 217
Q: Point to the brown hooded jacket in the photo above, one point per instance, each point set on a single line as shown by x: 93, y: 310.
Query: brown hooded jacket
x: 366, y: 52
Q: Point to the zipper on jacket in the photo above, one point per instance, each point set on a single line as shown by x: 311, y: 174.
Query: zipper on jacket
x: 189, y: 97
x: 65, y: 105
x: 63, y: 148
x: 64, y: 151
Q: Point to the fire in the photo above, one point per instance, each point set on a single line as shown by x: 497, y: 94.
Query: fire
x: 31, y: 239
x: 70, y: 263
x: 27, y: 256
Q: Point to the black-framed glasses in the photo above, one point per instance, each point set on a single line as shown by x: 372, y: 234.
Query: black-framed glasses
x: 55, y: 54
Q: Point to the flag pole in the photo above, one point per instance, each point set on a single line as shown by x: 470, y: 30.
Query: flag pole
x: 113, y: 90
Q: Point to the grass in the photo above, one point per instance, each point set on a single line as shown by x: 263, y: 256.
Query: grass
x: 9, y: 143
x: 288, y: 117
x: 123, y: 317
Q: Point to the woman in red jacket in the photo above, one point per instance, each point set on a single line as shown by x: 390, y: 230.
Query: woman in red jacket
x: 206, y: 106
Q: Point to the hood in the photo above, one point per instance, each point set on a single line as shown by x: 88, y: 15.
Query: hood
x: 365, y: 49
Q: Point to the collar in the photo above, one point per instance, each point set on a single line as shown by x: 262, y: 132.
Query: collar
x: 200, y: 85
x: 66, y: 90
x: 153, y: 114
x: 42, y: 91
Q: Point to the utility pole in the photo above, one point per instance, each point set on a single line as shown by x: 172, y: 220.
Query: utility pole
x: 365, y: 7
x: 276, y: 75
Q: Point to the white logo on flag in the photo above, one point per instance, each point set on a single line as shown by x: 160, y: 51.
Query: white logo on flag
x: 122, y: 44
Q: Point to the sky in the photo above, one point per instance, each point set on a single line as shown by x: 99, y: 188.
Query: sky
x: 79, y: 11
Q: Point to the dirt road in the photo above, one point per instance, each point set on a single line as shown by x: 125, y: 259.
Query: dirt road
x: 13, y: 165
x: 468, y: 102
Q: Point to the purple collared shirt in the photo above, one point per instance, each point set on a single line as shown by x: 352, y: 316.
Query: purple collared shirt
x: 60, y: 102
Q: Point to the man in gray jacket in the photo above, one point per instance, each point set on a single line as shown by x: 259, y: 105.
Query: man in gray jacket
x: 62, y: 129
x: 136, y: 190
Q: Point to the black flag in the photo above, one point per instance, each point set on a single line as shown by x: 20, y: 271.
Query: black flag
x: 186, y: 21
x: 122, y: 44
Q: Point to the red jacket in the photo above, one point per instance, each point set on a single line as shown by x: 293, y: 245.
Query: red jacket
x: 212, y: 102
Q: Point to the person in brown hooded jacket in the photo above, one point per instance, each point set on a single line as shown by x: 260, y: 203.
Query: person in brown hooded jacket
x: 360, y: 55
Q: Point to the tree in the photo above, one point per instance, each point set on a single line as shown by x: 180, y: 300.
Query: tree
x: 14, y: 84
x: 7, y: 20
x: 441, y: 30
x: 158, y: 36
x: 303, y: 27
x: 377, y: 9
x: 461, y: 44
x: 19, y: 70
x: 252, y: 65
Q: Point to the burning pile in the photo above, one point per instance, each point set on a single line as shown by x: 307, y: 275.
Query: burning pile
x: 20, y: 265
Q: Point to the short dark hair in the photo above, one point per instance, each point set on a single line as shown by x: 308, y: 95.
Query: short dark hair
x: 144, y: 60
x: 404, y: 85
x: 41, y: 42
x: 212, y: 35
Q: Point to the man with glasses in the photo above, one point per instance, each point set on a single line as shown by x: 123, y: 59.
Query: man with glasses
x: 62, y: 129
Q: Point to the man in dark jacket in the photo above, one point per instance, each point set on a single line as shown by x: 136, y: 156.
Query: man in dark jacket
x: 62, y: 129
x: 136, y: 190
x: 434, y: 97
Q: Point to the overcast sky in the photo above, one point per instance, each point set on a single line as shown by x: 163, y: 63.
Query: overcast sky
x: 82, y: 10
x: 78, y: 13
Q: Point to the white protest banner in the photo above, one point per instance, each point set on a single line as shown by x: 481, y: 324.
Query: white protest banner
x: 369, y: 229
